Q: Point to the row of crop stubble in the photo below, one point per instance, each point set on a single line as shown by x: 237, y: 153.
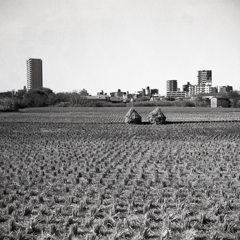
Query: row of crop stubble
x: 115, y: 181
x: 116, y: 115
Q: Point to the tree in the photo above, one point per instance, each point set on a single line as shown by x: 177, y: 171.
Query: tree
x: 62, y: 97
x: 38, y: 98
x: 72, y: 98
x: 76, y: 99
x: 199, y: 101
x: 83, y: 93
x: 9, y: 104
x: 234, y: 97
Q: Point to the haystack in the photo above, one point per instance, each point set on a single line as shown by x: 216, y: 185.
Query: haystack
x: 156, y: 116
x: 133, y: 117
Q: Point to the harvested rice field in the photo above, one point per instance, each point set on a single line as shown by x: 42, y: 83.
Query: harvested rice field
x: 82, y: 173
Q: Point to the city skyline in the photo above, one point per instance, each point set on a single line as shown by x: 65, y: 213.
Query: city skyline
x: 35, y: 81
x: 204, y: 85
x: 123, y: 44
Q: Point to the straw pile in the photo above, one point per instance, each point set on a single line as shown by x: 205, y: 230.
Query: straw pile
x: 133, y: 117
x: 156, y: 116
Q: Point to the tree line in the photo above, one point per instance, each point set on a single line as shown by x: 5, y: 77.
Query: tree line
x: 43, y: 97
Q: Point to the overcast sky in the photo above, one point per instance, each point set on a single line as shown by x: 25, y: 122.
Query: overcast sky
x: 119, y: 44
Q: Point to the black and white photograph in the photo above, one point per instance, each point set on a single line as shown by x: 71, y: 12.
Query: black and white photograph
x: 120, y: 120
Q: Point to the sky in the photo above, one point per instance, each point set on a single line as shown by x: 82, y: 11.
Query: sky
x: 119, y: 44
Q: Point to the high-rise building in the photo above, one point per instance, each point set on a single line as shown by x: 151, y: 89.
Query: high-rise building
x: 171, y: 85
x: 34, y: 73
x: 205, y: 77
x: 225, y: 89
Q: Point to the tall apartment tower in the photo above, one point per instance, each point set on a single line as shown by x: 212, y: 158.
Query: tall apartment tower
x: 34, y: 73
x: 171, y: 85
x: 205, y: 77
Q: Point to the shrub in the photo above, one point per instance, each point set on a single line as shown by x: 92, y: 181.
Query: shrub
x: 201, y: 102
x: 9, y: 104
x: 63, y: 104
x: 234, y: 97
x: 184, y: 103
x: 102, y: 104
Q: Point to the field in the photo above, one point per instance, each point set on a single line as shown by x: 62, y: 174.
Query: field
x: 82, y: 173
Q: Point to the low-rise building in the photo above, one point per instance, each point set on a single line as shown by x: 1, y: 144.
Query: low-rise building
x: 176, y: 94
x: 119, y: 93
x: 198, y: 89
x: 220, y: 102
x: 98, y: 98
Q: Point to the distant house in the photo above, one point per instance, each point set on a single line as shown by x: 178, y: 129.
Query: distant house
x: 98, y: 98
x: 176, y: 94
x: 118, y: 94
x: 220, y: 102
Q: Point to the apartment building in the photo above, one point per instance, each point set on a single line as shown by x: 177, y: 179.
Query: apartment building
x: 34, y: 73
x: 205, y: 77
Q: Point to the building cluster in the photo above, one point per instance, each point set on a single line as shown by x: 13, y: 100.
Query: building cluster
x: 35, y: 80
x: 120, y: 96
x: 145, y: 94
x: 204, y: 86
